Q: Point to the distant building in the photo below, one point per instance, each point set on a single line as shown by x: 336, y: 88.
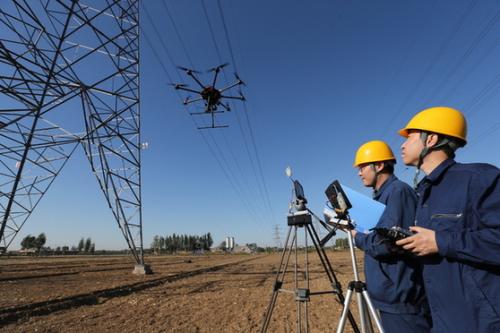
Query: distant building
x: 242, y: 249
x: 229, y: 243
x: 27, y: 252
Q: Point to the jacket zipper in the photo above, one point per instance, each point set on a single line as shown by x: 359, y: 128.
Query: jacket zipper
x: 453, y: 216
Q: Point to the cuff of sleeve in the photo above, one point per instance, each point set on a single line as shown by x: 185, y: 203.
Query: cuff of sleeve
x: 359, y: 239
x: 443, y: 242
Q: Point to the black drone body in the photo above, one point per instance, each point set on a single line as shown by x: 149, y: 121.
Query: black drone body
x: 210, y: 94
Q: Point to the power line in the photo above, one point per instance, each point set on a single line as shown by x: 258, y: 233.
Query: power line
x: 462, y: 78
x: 490, y: 130
x: 177, y: 33
x: 220, y: 159
x: 259, y: 163
x: 211, y: 31
x: 158, y: 35
x: 260, y: 182
x: 466, y: 54
x: 481, y: 97
x: 430, y: 65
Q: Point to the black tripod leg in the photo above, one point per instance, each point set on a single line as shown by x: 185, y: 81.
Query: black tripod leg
x: 331, y: 274
x: 280, y: 275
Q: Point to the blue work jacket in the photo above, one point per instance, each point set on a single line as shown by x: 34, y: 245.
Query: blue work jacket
x: 393, y: 280
x: 461, y: 202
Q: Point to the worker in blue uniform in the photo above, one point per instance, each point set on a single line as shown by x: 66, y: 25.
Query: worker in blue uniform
x: 458, y: 224
x: 392, y: 279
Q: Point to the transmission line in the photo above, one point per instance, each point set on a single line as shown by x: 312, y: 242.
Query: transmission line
x: 466, y: 54
x: 217, y: 151
x: 264, y: 196
x: 228, y: 40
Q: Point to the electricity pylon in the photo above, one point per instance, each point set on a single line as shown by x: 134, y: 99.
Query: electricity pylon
x: 73, y: 64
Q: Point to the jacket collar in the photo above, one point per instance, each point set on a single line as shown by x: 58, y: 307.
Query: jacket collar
x: 436, y: 174
x: 377, y: 193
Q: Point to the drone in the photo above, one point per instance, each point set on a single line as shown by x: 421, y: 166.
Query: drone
x: 209, y: 94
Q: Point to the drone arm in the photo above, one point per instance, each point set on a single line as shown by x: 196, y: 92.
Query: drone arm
x: 196, y: 79
x: 215, y: 76
x: 225, y: 106
x: 229, y: 87
x: 241, y: 98
x: 187, y: 89
x: 188, y: 101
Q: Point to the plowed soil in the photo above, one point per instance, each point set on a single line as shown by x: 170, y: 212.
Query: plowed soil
x: 205, y: 293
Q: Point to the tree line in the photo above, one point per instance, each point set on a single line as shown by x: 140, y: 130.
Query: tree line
x: 37, y: 243
x: 342, y: 243
x: 86, y: 245
x: 32, y: 242
x: 174, y: 243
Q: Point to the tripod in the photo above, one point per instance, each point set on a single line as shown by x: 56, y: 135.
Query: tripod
x: 301, y: 291
x: 359, y: 287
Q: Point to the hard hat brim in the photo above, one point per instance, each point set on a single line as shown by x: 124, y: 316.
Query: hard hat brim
x: 403, y: 132
x: 355, y: 165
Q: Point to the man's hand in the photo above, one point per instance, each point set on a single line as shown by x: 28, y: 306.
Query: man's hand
x: 422, y: 243
x: 353, y: 232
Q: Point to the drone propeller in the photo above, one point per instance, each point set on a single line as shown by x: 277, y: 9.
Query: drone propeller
x: 177, y: 85
x: 188, y: 70
x: 217, y: 68
x: 240, y: 81
x: 242, y: 97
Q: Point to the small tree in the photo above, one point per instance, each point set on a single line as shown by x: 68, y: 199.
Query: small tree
x: 155, y: 244
x: 28, y: 242
x: 161, y: 244
x: 40, y: 241
x: 210, y: 241
x: 81, y: 244
x: 88, y: 244
x: 92, y: 249
x: 252, y: 246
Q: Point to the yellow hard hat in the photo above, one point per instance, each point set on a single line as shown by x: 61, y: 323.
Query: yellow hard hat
x: 441, y: 120
x: 373, y: 151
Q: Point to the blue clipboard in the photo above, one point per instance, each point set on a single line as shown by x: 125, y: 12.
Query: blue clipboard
x: 365, y: 211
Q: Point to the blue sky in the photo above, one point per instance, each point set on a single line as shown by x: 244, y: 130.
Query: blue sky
x: 322, y: 78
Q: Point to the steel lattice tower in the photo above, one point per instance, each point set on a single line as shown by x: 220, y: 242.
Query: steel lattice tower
x: 72, y: 64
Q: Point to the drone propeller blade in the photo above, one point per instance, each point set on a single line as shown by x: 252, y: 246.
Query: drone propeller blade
x: 240, y: 81
x: 177, y: 85
x: 243, y: 98
x: 217, y: 68
x: 188, y: 70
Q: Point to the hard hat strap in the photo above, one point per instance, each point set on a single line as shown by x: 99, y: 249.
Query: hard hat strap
x: 423, y: 153
x: 374, y: 181
x: 443, y: 142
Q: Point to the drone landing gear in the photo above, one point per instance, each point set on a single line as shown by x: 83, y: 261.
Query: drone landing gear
x: 213, y: 120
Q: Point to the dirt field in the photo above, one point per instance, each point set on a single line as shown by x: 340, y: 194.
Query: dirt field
x: 208, y: 293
